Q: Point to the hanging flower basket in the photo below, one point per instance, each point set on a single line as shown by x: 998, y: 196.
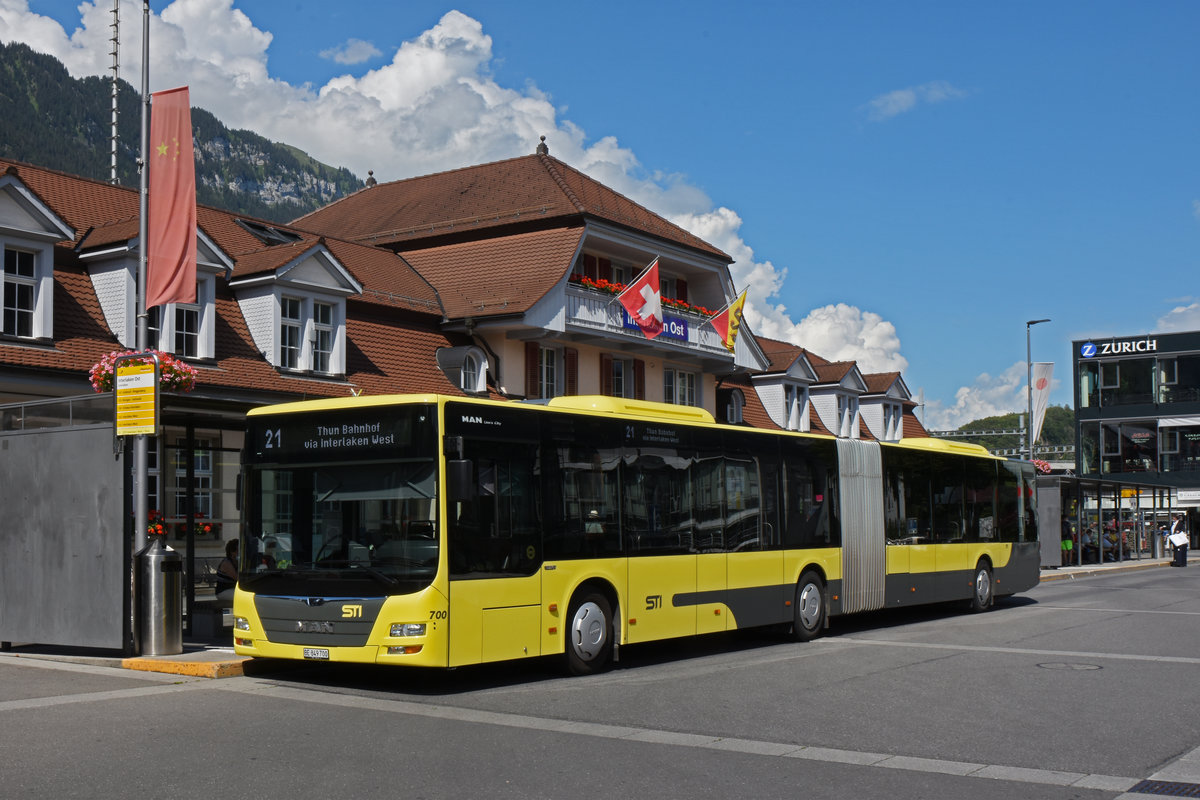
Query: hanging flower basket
x: 609, y: 287
x: 1042, y: 466
x: 174, y: 375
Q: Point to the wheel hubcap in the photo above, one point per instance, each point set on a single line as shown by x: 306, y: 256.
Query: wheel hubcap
x: 809, y: 612
x: 589, y: 631
x: 983, y: 586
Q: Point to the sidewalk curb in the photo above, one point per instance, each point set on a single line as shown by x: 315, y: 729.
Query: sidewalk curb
x: 226, y: 668
x: 1059, y: 575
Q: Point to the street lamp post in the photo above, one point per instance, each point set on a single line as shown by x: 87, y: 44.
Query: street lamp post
x: 1029, y: 388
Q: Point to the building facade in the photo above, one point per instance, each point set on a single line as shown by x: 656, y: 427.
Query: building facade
x: 1137, y: 402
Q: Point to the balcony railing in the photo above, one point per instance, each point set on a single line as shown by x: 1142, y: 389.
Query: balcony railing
x: 597, y: 311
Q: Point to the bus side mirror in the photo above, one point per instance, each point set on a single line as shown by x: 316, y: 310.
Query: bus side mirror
x: 460, y: 480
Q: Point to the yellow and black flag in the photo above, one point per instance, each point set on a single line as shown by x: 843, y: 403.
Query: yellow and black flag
x: 729, y: 321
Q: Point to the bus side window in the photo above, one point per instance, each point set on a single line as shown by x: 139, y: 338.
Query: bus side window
x: 810, y: 488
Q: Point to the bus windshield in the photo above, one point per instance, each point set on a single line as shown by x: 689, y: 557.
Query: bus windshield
x: 334, y: 523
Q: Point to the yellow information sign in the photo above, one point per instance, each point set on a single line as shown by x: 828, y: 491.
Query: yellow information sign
x: 137, y: 398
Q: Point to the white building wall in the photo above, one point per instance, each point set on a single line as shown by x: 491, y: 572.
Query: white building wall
x: 872, y: 414
x: 826, y: 408
x: 772, y: 397
x: 116, y: 290
x: 258, y: 309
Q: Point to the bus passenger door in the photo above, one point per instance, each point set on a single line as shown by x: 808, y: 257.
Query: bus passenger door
x: 494, y: 552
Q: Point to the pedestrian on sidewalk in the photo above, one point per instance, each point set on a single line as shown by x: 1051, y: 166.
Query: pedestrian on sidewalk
x: 1179, y: 541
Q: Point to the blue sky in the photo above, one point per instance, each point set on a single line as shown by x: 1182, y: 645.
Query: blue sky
x: 901, y: 183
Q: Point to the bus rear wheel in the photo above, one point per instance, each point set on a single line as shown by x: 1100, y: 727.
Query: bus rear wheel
x: 981, y: 590
x: 810, y: 611
x: 589, y: 634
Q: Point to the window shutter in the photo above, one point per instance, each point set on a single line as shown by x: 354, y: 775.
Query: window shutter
x: 606, y: 376
x: 589, y: 266
x: 571, y: 370
x: 639, y: 379
x: 681, y: 290
x: 605, y: 271
x: 531, y: 369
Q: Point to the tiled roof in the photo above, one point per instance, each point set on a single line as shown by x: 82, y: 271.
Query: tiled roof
x: 386, y: 354
x: 911, y: 425
x: 880, y: 382
x: 104, y: 215
x: 535, y: 189
x: 504, y: 275
x: 833, y: 371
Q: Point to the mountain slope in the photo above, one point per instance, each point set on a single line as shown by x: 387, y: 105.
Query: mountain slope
x: 52, y: 120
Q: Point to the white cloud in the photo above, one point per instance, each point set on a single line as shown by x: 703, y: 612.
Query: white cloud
x: 434, y: 106
x: 354, y: 51
x: 987, y: 396
x: 1180, y: 318
x: 901, y: 101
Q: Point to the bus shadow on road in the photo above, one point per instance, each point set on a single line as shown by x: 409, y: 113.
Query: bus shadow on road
x: 422, y: 682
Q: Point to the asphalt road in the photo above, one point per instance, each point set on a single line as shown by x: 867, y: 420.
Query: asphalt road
x: 1078, y: 689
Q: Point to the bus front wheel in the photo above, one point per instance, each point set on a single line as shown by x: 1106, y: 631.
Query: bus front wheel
x: 981, y: 590
x: 810, y: 609
x: 589, y: 635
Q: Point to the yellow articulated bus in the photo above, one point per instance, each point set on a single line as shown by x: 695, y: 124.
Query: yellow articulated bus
x: 440, y: 531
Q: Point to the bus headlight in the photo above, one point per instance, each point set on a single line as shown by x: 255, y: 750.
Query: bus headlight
x: 241, y: 623
x: 408, y: 629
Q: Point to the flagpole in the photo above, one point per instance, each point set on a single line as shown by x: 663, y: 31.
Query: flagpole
x: 140, y: 446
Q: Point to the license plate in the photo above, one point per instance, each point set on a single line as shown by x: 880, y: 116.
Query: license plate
x: 321, y: 653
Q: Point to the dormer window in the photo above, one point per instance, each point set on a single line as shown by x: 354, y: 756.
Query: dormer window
x: 296, y: 312
x: 465, y: 367
x: 20, y: 292
x: 186, y: 329
x: 847, y: 416
x: 734, y: 412
x: 309, y: 331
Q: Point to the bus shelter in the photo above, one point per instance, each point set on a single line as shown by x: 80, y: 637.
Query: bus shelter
x: 66, y: 487
x: 1101, y: 520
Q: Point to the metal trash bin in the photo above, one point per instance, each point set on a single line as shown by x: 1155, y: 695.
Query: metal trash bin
x: 160, y: 602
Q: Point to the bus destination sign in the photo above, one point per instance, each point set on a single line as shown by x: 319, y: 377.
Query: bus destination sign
x: 333, y: 437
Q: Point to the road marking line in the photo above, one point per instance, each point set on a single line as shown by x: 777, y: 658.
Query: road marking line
x: 98, y: 697
x: 1116, y: 610
x: 1026, y: 651
x: 260, y: 688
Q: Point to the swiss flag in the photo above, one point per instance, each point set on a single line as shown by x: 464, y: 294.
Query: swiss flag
x: 171, y: 218
x: 643, y: 300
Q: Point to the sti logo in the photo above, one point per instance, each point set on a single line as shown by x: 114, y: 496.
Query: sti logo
x: 1088, y: 350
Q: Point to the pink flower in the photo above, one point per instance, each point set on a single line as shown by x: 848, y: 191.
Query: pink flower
x: 173, y: 374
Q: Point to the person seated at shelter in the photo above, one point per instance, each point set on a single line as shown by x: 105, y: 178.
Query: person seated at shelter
x: 1110, y: 546
x: 227, y: 573
x: 1091, y: 551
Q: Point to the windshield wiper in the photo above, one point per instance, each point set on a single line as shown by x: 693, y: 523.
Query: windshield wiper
x: 255, y: 577
x: 385, y: 579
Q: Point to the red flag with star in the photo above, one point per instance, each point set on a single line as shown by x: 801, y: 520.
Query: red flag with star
x: 171, y: 219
